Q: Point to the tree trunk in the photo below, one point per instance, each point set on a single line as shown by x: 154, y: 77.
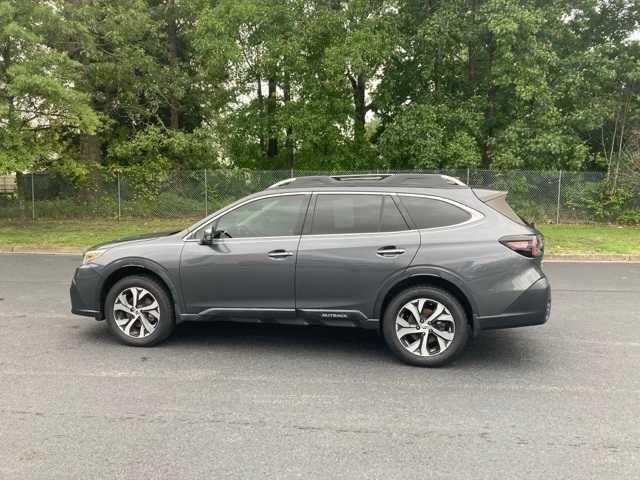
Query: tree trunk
x: 358, y: 85
x: 90, y: 152
x: 289, y: 140
x: 623, y: 122
x: 490, y: 114
x: 90, y: 148
x: 20, y: 195
x: 20, y: 190
x: 172, y: 36
x: 261, y: 110
x: 472, y: 67
x: 272, y: 143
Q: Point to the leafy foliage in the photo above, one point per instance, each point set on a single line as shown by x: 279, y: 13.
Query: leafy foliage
x: 38, y: 106
x: 151, y: 85
x: 602, y: 202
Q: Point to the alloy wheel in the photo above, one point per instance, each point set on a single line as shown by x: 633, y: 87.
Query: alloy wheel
x: 425, y: 327
x: 136, y: 312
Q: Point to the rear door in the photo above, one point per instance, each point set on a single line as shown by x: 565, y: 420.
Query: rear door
x: 354, y: 242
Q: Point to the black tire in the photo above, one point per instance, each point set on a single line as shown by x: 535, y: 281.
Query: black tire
x: 456, y: 310
x: 166, y: 322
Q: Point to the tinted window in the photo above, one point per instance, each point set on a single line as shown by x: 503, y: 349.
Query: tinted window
x: 356, y: 214
x: 269, y: 217
x: 430, y: 213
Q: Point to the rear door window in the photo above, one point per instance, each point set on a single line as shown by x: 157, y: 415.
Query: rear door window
x: 336, y: 214
x: 432, y: 213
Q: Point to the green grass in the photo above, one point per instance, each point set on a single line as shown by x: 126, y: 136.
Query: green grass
x: 80, y: 234
x: 595, y: 239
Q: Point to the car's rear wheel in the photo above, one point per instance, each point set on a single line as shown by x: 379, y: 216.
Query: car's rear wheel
x: 425, y: 326
x: 139, y: 311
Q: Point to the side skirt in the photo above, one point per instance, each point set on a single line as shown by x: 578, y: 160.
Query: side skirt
x: 328, y: 318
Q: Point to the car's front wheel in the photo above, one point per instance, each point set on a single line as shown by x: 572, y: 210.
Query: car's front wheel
x: 139, y: 311
x: 425, y: 326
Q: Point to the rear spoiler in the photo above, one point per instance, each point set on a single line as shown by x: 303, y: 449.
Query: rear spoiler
x: 488, y: 195
x: 497, y: 199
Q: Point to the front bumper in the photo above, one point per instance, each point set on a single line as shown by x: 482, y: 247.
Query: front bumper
x: 532, y: 307
x: 85, y: 291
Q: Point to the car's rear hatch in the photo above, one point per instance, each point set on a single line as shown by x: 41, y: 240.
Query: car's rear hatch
x: 497, y: 200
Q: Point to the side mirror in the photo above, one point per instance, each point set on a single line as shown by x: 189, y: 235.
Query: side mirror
x: 207, y: 236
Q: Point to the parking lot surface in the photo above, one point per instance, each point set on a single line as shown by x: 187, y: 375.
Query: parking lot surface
x: 253, y: 401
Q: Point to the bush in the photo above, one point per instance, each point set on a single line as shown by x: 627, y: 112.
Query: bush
x: 531, y: 196
x: 165, y: 205
x: 599, y: 201
x: 630, y: 217
x: 9, y: 206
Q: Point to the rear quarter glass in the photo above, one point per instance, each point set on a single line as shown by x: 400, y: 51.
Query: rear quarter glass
x: 433, y: 213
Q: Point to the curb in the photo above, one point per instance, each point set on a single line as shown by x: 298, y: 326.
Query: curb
x: 592, y: 258
x: 558, y: 258
x: 39, y: 251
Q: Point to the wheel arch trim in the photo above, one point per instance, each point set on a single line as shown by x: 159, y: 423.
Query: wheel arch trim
x: 144, y: 264
x: 433, y: 273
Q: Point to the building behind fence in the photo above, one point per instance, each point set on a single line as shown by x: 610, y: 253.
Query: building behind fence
x: 544, y: 197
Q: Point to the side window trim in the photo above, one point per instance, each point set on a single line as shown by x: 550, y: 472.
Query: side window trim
x: 308, y: 226
x: 190, y: 236
x: 404, y: 212
x: 474, y: 214
x: 311, y: 213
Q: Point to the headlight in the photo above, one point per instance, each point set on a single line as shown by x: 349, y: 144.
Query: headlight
x: 91, y: 255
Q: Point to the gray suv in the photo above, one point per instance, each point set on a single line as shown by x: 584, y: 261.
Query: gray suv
x: 423, y: 258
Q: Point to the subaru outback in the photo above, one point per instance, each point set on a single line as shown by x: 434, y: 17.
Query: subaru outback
x: 425, y: 259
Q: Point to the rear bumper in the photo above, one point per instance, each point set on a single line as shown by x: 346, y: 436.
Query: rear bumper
x: 532, y: 307
x: 84, y: 291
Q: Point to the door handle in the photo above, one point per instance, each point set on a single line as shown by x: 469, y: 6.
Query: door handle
x: 390, y: 251
x: 280, y: 253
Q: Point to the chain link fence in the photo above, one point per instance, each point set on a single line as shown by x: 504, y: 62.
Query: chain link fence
x: 540, y: 196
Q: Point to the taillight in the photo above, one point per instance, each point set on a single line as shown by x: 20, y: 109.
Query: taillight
x: 527, y: 245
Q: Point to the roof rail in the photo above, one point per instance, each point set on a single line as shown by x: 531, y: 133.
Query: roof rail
x: 363, y: 176
x: 282, y: 182
x: 415, y: 180
x: 455, y: 180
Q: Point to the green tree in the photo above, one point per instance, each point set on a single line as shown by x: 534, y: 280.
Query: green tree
x: 299, y: 71
x: 40, y: 106
x: 139, y: 69
x: 154, y: 85
x: 250, y: 49
x: 601, y: 85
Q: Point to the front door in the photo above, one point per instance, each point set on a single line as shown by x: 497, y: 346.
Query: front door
x: 356, y: 242
x: 251, y: 266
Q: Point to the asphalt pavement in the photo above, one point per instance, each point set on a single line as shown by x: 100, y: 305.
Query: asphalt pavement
x: 265, y: 401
